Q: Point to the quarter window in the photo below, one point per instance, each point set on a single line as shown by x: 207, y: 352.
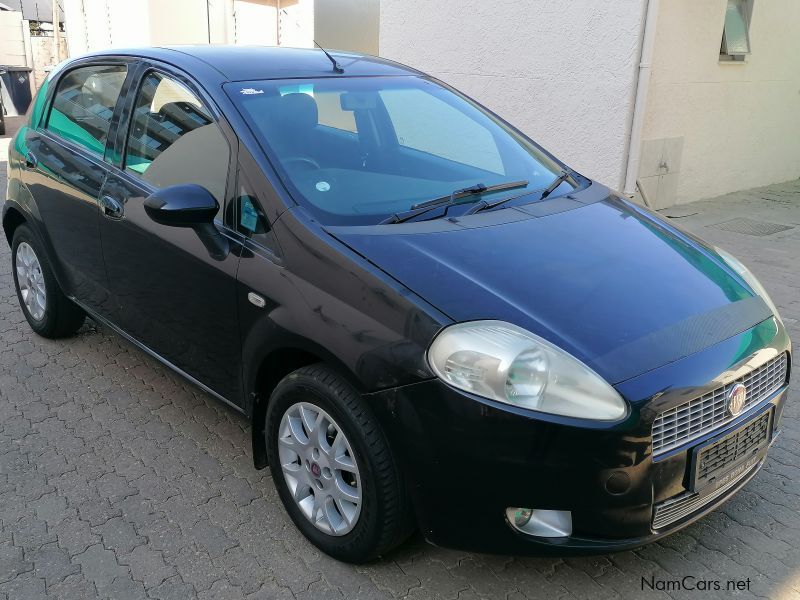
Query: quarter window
x: 174, y: 139
x: 84, y: 104
x: 250, y: 218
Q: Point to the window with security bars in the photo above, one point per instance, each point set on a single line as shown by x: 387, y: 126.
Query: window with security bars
x: 736, y: 31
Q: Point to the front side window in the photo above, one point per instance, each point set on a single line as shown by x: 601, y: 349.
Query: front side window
x: 174, y: 139
x: 84, y: 104
x: 356, y: 150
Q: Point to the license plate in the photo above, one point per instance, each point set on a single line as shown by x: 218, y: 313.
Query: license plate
x: 726, y: 458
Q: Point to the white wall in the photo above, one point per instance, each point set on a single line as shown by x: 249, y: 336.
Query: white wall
x: 256, y: 22
x: 347, y: 24
x: 100, y: 24
x: 563, y: 72
x: 296, y: 23
x: 42, y: 54
x: 12, y: 39
x: 738, y: 123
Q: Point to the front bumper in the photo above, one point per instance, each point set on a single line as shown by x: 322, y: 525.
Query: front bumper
x: 467, y: 459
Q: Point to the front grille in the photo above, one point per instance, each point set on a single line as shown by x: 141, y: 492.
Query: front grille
x: 675, y: 509
x: 691, y: 420
x: 731, y: 448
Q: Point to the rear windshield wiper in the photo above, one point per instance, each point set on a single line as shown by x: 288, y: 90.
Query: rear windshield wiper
x: 450, y: 200
x: 483, y: 205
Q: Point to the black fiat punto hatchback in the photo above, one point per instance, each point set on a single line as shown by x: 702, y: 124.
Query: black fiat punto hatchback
x: 430, y: 321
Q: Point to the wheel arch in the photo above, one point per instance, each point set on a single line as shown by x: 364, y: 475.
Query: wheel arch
x: 270, y: 370
x: 17, y: 213
x: 13, y: 217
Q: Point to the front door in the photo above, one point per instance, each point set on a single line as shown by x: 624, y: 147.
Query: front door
x: 174, y: 294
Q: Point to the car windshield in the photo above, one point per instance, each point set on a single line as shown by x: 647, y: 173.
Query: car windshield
x: 358, y: 149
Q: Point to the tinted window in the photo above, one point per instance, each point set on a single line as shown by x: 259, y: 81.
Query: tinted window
x: 251, y: 221
x: 424, y: 122
x: 84, y: 103
x: 174, y: 139
x: 358, y: 149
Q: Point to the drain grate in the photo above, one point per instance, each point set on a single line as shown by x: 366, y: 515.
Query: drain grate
x: 750, y: 227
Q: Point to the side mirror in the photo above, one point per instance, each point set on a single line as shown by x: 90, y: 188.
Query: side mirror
x: 185, y: 205
x: 189, y: 205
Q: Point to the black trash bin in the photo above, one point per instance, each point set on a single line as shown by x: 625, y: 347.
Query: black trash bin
x: 2, y: 115
x: 17, y: 81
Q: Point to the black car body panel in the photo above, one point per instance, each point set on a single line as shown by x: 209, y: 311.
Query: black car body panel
x: 562, y: 464
x: 637, y: 311
x: 658, y: 314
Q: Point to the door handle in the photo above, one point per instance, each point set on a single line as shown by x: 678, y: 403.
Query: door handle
x: 31, y: 161
x: 112, y: 208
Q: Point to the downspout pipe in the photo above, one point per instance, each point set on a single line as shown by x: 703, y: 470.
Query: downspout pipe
x: 640, y: 102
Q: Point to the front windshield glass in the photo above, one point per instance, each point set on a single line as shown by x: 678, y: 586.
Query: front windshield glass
x: 358, y: 149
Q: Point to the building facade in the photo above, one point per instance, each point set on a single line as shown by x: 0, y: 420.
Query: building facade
x: 100, y: 24
x: 671, y: 101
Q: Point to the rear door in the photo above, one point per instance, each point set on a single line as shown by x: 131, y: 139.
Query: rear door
x: 66, y: 169
x: 172, y: 293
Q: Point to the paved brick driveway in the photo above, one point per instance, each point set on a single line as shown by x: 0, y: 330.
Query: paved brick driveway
x: 119, y: 480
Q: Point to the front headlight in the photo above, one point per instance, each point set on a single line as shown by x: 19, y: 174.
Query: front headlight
x: 749, y: 278
x: 503, y: 362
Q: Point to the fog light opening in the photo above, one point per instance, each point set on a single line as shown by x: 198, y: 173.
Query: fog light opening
x: 540, y: 522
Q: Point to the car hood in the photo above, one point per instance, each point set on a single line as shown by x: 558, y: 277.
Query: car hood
x: 612, y: 284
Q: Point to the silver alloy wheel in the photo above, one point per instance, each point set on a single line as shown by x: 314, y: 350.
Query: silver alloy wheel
x: 319, y: 468
x: 31, y: 281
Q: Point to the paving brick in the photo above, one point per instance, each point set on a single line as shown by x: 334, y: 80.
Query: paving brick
x: 12, y: 562
x: 119, y: 535
x: 172, y: 589
x: 148, y: 566
x: 73, y: 587
x: 100, y: 566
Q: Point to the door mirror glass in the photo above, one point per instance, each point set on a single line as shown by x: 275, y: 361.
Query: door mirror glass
x: 185, y: 205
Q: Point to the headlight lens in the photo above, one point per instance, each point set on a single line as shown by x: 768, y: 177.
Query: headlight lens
x: 503, y: 362
x: 748, y: 276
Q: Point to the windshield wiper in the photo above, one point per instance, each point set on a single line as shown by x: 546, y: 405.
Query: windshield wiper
x: 561, y: 178
x: 450, y: 200
x: 483, y: 205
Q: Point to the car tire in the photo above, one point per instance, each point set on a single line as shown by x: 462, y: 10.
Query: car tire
x: 383, y: 519
x: 51, y: 314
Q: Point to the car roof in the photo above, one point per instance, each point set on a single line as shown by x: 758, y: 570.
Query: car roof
x: 243, y: 63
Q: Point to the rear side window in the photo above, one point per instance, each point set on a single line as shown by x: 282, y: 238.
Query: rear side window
x: 174, y: 138
x: 84, y: 103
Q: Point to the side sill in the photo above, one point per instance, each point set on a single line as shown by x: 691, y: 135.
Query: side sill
x: 158, y: 357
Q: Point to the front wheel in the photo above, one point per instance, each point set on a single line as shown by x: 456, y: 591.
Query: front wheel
x: 333, y: 468
x: 48, y: 311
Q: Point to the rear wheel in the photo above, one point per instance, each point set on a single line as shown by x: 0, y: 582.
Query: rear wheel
x: 48, y: 311
x: 333, y: 468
